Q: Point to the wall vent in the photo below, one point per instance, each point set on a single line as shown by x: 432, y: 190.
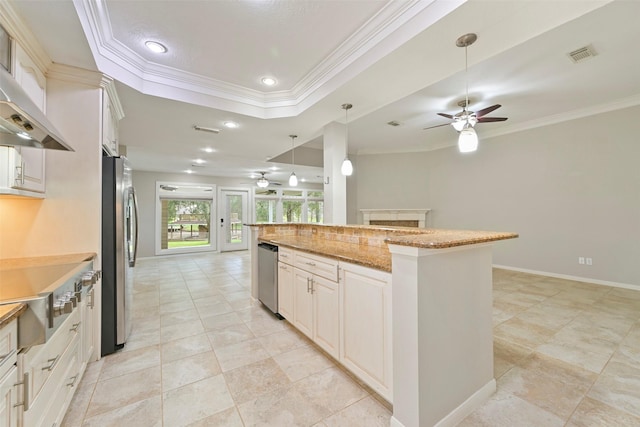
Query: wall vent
x: 582, y: 54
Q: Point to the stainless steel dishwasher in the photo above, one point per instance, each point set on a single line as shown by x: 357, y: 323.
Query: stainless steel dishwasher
x: 268, y: 276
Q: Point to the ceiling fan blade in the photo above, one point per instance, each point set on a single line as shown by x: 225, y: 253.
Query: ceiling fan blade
x: 437, y: 126
x: 448, y: 116
x: 487, y: 110
x: 491, y: 119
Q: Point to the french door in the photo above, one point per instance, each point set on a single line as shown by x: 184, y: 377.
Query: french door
x: 233, y: 208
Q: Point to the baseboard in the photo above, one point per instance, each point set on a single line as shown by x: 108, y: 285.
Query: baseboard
x: 454, y: 418
x: 568, y: 277
x: 474, y: 401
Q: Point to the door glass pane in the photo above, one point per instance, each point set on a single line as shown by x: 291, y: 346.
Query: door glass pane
x: 234, y: 213
x: 291, y: 210
x: 265, y: 211
x: 289, y: 193
x: 314, y: 211
x: 315, y: 194
x: 185, y: 223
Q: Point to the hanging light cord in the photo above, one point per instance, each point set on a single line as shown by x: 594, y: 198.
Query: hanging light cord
x: 466, y: 77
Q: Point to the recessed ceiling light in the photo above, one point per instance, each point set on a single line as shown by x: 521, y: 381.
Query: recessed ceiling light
x: 155, y: 46
x: 188, y: 171
x: 268, y: 81
x: 230, y: 124
x: 208, y: 150
x: 199, y: 161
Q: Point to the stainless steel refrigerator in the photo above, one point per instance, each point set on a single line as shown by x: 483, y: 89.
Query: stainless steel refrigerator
x: 119, y: 250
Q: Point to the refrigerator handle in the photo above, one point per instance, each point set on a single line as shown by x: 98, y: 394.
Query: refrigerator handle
x: 132, y: 261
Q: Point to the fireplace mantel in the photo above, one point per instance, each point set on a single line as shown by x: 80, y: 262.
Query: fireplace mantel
x: 391, y: 215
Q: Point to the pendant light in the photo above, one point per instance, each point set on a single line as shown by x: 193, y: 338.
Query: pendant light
x: 347, y: 166
x: 468, y: 139
x: 262, y: 182
x: 293, y: 179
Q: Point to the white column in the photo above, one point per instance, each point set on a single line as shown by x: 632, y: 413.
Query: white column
x: 335, y: 184
x: 442, y: 333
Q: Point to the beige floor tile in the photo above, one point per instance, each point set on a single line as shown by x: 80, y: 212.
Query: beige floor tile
x: 366, y: 412
x: 550, y: 384
x: 220, y: 321
x: 240, y: 354
x: 507, y: 410
x: 179, y: 317
x: 619, y: 387
x: 181, y: 330
x: 302, y: 362
x: 591, y: 412
x: 185, y: 347
x: 212, y: 309
x: 144, y: 413
x: 79, y: 404
x: 141, y: 339
x: 189, y: 370
x: 284, y: 340
x: 523, y: 333
x: 174, y: 307
x: 92, y: 373
x: 250, y: 381
x: 122, y: 363
x: 232, y: 334
x: 194, y: 402
x: 226, y: 418
x: 506, y: 355
x: 124, y: 390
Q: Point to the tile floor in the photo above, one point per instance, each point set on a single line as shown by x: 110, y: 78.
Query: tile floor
x: 201, y: 354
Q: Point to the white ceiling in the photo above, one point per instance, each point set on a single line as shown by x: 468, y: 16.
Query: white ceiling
x: 393, y: 60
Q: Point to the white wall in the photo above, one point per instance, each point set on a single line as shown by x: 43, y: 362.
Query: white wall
x: 570, y: 189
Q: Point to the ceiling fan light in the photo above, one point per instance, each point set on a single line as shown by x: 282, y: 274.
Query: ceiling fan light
x: 293, y: 180
x: 458, y: 124
x: 347, y: 167
x: 262, y: 182
x: 468, y: 140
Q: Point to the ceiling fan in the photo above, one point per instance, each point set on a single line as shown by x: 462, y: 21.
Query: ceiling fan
x: 465, y: 121
x: 264, y: 182
x: 469, y: 117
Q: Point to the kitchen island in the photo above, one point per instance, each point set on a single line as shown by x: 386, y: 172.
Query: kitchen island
x: 438, y: 327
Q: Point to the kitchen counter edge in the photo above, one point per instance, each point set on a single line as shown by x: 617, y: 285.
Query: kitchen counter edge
x: 9, y: 312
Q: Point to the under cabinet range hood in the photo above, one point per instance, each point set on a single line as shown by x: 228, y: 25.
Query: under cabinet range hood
x: 21, y: 122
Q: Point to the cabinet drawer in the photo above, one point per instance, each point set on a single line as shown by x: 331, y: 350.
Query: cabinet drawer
x: 8, y: 346
x: 285, y: 255
x: 41, y: 361
x: 320, y: 266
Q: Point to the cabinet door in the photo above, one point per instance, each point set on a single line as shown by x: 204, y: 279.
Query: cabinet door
x: 326, y: 325
x: 29, y: 77
x: 87, y: 326
x: 285, y: 291
x: 302, y: 302
x: 366, y: 347
x: 8, y: 399
x: 32, y: 174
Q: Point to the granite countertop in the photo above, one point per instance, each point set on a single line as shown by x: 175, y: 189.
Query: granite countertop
x: 379, y: 257
x: 9, y: 312
x: 11, y: 263
x: 368, y: 256
x: 441, y: 239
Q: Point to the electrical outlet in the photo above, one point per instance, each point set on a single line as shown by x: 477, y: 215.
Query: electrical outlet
x: 589, y: 261
x: 580, y: 260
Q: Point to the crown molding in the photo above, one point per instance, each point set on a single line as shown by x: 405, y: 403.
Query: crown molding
x: 68, y: 73
x: 394, y: 24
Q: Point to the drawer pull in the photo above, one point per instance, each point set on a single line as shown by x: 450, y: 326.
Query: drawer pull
x: 53, y: 364
x: 312, y: 264
x: 75, y: 327
x: 73, y: 380
x: 284, y: 255
x: 284, y: 267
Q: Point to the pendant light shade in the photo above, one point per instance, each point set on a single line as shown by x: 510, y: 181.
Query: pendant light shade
x: 293, y: 179
x: 347, y: 166
x: 468, y: 140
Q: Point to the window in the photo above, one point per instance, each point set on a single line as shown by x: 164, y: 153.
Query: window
x: 288, y: 205
x: 184, y: 217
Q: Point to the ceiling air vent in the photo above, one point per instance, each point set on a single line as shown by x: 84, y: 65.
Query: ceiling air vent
x: 582, y: 54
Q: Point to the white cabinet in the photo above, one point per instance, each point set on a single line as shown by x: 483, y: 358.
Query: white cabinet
x: 29, y: 77
x: 326, y: 315
x: 9, y: 400
x: 285, y: 290
x: 50, y: 374
x: 111, y: 115
x: 22, y: 171
x: 302, y: 302
x: 87, y: 312
x: 366, y: 341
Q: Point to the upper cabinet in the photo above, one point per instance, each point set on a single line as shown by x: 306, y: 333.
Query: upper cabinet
x: 111, y: 116
x: 22, y: 169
